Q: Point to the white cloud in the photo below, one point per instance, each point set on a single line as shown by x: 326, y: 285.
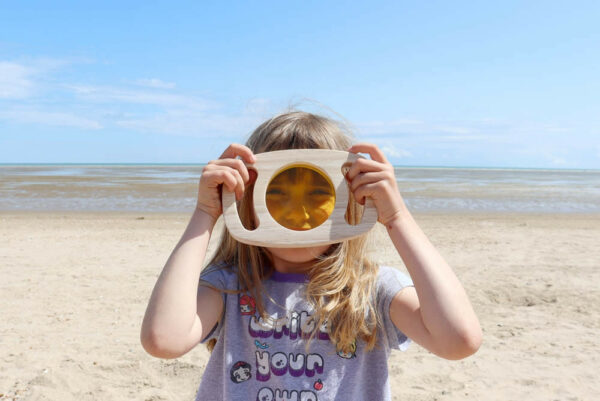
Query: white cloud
x: 155, y: 83
x: 452, y: 129
x: 61, y: 119
x: 387, y: 127
x: 558, y: 161
x: 258, y: 106
x: 549, y: 155
x: 22, y: 80
x: 108, y: 94
x: 461, y: 138
x: 479, y: 130
x: 15, y: 81
x: 198, y: 124
x: 173, y: 112
x: 391, y: 150
x: 408, y: 126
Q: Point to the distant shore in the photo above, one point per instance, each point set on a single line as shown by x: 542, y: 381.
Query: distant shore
x: 173, y: 188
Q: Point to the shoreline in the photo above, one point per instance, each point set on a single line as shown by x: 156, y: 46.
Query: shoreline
x: 158, y: 214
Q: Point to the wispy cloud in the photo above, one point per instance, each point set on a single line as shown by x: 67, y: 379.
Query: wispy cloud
x: 388, y: 127
x: 155, y: 83
x: 259, y: 106
x: 38, y: 117
x: 416, y: 127
x: 16, y: 80
x: 33, y: 92
x: 392, y: 150
x: 461, y: 138
x: 199, y: 124
x: 22, y: 79
x: 468, y: 131
x: 112, y: 94
x: 452, y: 129
x: 557, y: 161
x: 149, y: 105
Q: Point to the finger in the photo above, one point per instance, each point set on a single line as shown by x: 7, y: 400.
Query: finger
x: 368, y: 178
x: 236, y: 164
x: 372, y: 149
x: 363, y: 165
x: 224, y: 176
x: 365, y: 191
x: 229, y: 177
x: 239, y: 184
x: 236, y: 149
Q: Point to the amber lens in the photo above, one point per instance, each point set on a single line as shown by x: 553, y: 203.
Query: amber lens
x: 300, y: 198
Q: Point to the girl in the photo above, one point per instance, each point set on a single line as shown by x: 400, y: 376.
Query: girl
x: 304, y: 324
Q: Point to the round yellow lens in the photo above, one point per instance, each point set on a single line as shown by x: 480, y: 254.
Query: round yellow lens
x: 300, y: 198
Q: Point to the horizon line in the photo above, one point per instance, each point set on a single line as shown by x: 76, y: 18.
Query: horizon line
x: 394, y: 165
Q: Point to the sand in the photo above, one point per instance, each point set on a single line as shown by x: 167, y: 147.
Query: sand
x: 74, y: 288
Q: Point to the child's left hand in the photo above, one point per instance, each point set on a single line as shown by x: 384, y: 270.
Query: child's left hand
x: 374, y: 178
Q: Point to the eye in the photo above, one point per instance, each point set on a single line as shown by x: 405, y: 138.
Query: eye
x: 320, y: 192
x: 275, y: 191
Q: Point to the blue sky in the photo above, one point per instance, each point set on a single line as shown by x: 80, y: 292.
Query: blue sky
x: 512, y: 84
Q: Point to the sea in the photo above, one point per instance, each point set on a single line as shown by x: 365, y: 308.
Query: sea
x: 174, y: 187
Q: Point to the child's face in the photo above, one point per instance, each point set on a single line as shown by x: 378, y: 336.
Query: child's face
x: 300, y: 198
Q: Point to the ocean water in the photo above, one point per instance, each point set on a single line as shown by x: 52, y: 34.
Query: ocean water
x: 173, y: 188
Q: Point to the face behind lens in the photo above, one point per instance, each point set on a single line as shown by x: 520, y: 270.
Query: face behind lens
x: 300, y: 198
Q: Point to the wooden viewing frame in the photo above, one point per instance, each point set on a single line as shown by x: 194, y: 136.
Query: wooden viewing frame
x: 269, y: 233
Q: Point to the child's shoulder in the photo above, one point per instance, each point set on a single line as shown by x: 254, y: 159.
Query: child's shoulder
x: 220, y: 274
x: 388, y: 276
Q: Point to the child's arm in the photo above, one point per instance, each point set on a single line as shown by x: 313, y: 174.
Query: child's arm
x: 436, y: 313
x: 180, y: 313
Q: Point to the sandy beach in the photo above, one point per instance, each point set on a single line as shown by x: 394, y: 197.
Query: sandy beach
x: 75, y: 287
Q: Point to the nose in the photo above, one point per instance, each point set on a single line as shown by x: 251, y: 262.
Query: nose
x: 298, y: 215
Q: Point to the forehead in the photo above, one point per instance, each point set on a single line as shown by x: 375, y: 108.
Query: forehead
x: 300, y: 173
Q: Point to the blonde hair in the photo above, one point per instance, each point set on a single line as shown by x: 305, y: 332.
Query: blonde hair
x: 342, y: 280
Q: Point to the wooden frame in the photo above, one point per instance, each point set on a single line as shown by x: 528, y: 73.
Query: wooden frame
x: 269, y: 232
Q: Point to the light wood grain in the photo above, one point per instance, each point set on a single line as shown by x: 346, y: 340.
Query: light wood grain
x: 272, y: 234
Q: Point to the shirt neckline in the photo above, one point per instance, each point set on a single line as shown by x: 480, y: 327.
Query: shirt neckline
x: 289, y: 277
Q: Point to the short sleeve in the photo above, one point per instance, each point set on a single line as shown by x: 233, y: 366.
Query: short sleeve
x: 389, y: 282
x: 218, y: 276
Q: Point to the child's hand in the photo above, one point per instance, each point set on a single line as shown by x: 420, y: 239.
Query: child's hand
x: 375, y: 179
x: 228, y: 171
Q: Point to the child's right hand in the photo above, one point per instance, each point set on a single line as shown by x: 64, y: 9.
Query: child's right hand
x: 228, y: 171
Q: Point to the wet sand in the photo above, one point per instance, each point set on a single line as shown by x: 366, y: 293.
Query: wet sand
x: 75, y: 287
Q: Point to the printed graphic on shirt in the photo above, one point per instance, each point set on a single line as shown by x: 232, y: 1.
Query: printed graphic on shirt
x: 350, y: 354
x: 266, y: 394
x: 240, y: 372
x: 280, y: 364
x: 292, y: 325
x: 272, y: 362
x: 247, y: 305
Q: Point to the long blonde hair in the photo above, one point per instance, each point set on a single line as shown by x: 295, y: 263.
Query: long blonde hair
x: 342, y: 280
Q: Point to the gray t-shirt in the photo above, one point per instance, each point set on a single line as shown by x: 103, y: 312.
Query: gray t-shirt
x: 263, y: 360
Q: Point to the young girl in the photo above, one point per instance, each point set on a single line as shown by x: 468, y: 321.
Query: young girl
x: 304, y: 324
